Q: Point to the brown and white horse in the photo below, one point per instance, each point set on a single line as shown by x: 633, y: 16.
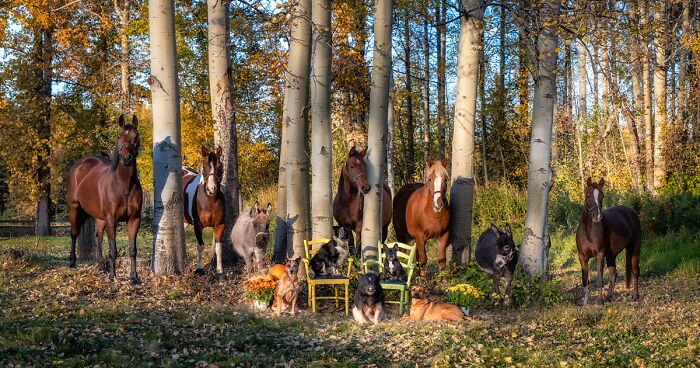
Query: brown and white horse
x: 349, y: 201
x: 604, y: 234
x: 421, y: 212
x: 110, y: 192
x: 204, y: 203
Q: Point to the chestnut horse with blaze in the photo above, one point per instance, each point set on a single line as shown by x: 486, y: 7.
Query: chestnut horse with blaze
x: 110, y: 192
x: 421, y: 212
x: 604, y: 234
x: 204, y: 203
x: 349, y: 201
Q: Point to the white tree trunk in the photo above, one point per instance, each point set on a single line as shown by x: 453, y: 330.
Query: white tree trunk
x: 169, y: 255
x: 390, y: 139
x: 297, y: 155
x: 124, y: 61
x: 462, y: 189
x: 321, y: 134
x: 281, y: 250
x: 224, y: 122
x: 646, y: 86
x: 377, y: 129
x: 533, y: 252
x: 582, y: 106
x: 660, y: 115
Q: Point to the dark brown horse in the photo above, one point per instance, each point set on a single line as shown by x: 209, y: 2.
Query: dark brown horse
x: 349, y: 201
x: 604, y: 234
x: 110, y: 192
x: 204, y: 203
x: 421, y: 212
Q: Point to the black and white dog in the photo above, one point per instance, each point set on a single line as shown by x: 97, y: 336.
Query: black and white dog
x: 497, y: 256
x: 368, y: 303
x: 393, y: 270
x: 330, y: 256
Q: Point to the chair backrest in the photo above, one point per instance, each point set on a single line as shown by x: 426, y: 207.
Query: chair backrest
x: 309, y: 250
x: 406, y: 254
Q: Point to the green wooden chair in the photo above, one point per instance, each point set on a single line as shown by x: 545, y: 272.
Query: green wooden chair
x: 407, y: 257
x: 335, y: 281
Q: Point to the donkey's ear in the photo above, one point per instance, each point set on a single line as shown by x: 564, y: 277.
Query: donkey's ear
x: 205, y: 152
x: 269, y: 208
x: 219, y: 151
x: 495, y: 229
x: 254, y: 210
x: 601, y: 182
x: 121, y: 120
x: 588, y: 181
x: 134, y: 121
x: 509, y: 231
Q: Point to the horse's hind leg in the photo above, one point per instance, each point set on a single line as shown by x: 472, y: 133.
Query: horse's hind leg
x: 133, y: 227
x: 635, y: 275
x: 612, y: 271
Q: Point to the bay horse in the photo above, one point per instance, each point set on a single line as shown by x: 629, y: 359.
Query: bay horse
x: 204, y: 203
x: 421, y: 212
x: 349, y: 201
x: 604, y: 234
x: 109, y: 191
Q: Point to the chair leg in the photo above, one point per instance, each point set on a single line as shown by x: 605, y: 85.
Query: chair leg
x: 347, y: 300
x: 313, y: 299
x: 309, y: 293
x: 401, y: 303
x: 335, y: 289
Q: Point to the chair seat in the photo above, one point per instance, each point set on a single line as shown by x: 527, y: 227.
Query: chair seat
x: 394, y: 285
x: 331, y: 277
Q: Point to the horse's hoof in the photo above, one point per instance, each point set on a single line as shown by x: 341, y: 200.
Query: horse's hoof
x: 135, y: 281
x: 199, y: 272
x: 220, y: 277
x: 72, y: 265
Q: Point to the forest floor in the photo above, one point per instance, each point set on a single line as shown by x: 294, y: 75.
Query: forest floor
x: 54, y: 315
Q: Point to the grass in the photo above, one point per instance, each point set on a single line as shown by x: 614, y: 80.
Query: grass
x: 54, y: 315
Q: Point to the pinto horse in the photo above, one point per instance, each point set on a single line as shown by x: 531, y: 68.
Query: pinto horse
x: 110, y: 192
x: 421, y: 212
x: 604, y: 234
x: 348, y: 202
x: 204, y: 203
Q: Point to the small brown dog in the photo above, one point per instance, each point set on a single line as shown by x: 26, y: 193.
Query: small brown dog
x: 286, y: 294
x: 422, y: 309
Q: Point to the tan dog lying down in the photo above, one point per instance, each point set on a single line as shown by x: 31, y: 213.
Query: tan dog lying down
x: 422, y: 309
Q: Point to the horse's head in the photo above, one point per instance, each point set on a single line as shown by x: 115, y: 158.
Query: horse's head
x: 128, y: 141
x: 436, y: 179
x: 212, y: 170
x: 593, y: 199
x: 261, y: 224
x: 355, y: 170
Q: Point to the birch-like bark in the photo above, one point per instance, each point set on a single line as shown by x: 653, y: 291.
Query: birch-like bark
x: 426, y: 89
x: 224, y: 122
x: 462, y: 189
x: 646, y: 87
x: 582, y: 108
x: 376, y: 132
x: 124, y: 60
x: 390, y: 166
x: 660, y: 116
x: 169, y: 254
x: 297, y: 156
x: 410, y: 168
x: 321, y: 135
x: 281, y: 251
x: 533, y: 252
x: 441, y: 45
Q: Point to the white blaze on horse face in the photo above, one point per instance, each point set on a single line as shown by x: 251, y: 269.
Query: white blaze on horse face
x: 211, y: 183
x: 437, y: 192
x: 596, y: 198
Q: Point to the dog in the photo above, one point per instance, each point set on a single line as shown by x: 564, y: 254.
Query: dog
x: 327, y: 260
x: 290, y: 266
x: 497, y: 256
x: 368, y: 302
x: 286, y: 293
x: 423, y: 309
x: 393, y: 270
x: 342, y: 236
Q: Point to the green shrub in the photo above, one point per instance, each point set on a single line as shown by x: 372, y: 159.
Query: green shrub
x: 528, y: 291
x: 464, y: 295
